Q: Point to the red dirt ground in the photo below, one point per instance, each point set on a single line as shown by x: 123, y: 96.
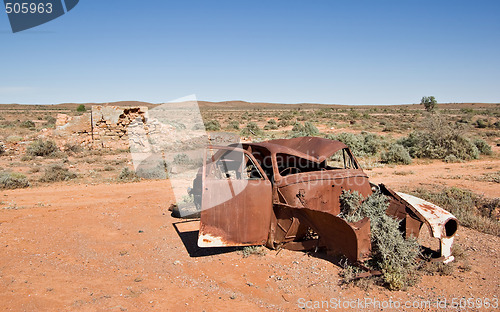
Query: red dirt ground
x: 115, y: 247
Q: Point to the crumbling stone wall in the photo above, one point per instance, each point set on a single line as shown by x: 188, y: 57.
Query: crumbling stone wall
x: 104, y: 126
x: 111, y: 122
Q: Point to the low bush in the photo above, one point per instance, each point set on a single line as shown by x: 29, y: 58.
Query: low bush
x: 72, y: 148
x: 152, y: 172
x: 253, y: 250
x: 27, y: 124
x: 42, y: 148
x: 127, y: 175
x: 56, y: 173
x: 396, y: 154
x: 439, y: 140
x: 392, y: 254
x: 283, y: 123
x: 490, y: 177
x: 286, y: 116
x: 307, y: 129
x: 481, y: 123
x: 452, y: 159
x: 483, y: 147
x: 251, y: 129
x: 233, y: 125
x: 212, y: 125
x: 364, y: 144
x: 13, y: 180
x: 271, y: 125
x: 50, y: 122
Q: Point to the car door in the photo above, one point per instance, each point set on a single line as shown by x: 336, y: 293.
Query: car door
x: 236, y: 199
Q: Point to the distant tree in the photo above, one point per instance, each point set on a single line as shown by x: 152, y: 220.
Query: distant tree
x: 429, y: 103
x: 81, y: 108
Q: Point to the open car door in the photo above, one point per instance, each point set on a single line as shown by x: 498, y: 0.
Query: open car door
x: 236, y: 203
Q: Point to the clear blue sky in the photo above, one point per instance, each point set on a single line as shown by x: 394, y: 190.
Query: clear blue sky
x: 346, y: 52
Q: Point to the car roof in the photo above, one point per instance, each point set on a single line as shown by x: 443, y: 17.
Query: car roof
x: 310, y: 148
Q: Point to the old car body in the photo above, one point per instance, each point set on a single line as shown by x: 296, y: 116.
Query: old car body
x: 285, y: 194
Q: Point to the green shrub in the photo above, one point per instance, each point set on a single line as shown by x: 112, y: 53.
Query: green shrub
x: 27, y: 124
x: 364, y: 144
x: 308, y: 129
x: 439, y: 140
x: 283, y: 123
x: 353, y: 115
x: 127, y: 175
x: 251, y: 129
x: 490, y: 177
x: 50, y: 121
x: 151, y: 172
x: 13, y: 180
x: 233, y: 125
x: 271, y: 125
x: 349, y: 274
x: 286, y: 116
x: 298, y: 127
x: 483, y: 147
x: 42, y: 148
x: 212, y: 125
x: 396, y: 154
x: 56, y: 173
x: 481, y: 123
x: 72, y: 148
x: 438, y: 268
x: 452, y: 159
x: 81, y: 108
x: 247, y: 251
x: 372, y: 143
x: 394, y: 255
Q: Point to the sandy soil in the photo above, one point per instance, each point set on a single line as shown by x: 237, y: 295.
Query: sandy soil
x: 115, y: 247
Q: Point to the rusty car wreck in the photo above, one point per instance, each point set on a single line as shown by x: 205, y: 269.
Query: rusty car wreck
x: 285, y: 194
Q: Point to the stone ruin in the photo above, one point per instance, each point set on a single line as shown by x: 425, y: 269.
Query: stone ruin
x: 111, y: 122
x: 104, y: 126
